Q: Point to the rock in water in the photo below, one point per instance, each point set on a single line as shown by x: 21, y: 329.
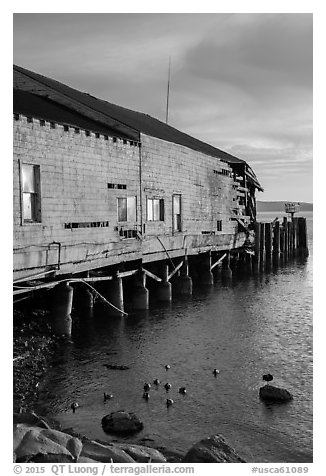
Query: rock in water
x: 212, y: 450
x: 271, y: 394
x: 122, y: 423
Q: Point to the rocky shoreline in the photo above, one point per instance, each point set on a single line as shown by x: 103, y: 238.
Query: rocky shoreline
x: 38, y: 440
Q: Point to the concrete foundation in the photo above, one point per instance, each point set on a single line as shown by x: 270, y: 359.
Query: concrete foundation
x: 184, y: 281
x: 206, y: 277
x: 114, y: 294
x: 140, y: 298
x: 164, y: 288
x: 226, y: 268
x: 62, y: 296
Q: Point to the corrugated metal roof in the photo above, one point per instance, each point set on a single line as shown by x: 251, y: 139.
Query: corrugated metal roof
x: 125, y: 120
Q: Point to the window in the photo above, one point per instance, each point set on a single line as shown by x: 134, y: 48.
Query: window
x: 31, y: 203
x: 155, y: 209
x: 219, y: 225
x: 176, y: 211
x: 126, y: 209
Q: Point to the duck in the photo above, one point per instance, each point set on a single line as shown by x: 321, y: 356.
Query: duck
x: 216, y: 372
x: 167, y: 386
x: 169, y: 402
x: 147, y: 386
x: 182, y: 390
x: 167, y: 367
x: 156, y: 381
x: 74, y: 406
x: 146, y: 395
x: 268, y: 378
x: 107, y: 396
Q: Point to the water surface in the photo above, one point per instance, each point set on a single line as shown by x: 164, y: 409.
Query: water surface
x: 252, y: 326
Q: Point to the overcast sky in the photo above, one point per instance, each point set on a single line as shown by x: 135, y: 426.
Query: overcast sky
x: 241, y: 82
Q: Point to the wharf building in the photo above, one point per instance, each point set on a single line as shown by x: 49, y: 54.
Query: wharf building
x: 101, y: 190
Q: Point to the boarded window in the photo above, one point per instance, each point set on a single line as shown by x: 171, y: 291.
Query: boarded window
x: 176, y: 211
x: 155, y: 209
x: 31, y: 203
x: 127, y: 209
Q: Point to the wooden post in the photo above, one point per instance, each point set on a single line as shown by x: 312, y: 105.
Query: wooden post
x: 295, y: 234
x: 268, y: 241
x: 256, y: 259
x: 276, y: 239
x: 286, y: 243
x: 290, y: 237
x: 303, y: 236
x: 262, y: 244
x: 248, y: 259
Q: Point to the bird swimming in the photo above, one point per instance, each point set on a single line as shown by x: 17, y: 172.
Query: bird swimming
x: 156, y: 381
x: 107, y: 396
x: 167, y: 386
x: 147, y: 386
x: 268, y: 378
x: 216, y: 372
x: 182, y: 390
x: 146, y: 395
x: 167, y: 367
x: 169, y: 402
x: 74, y: 406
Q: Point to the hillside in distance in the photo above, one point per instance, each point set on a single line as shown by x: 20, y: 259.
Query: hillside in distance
x: 278, y: 206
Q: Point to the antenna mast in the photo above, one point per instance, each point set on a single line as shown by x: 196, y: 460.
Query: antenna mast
x: 168, y: 93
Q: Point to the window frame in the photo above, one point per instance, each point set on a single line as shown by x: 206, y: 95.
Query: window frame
x: 35, y: 195
x: 160, y: 209
x: 176, y: 227
x: 129, y: 219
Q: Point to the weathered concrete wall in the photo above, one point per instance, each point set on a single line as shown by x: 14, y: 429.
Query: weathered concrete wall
x: 75, y: 170
x: 207, y: 196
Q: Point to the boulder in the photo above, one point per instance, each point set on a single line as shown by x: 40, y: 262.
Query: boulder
x: 30, y: 418
x: 213, y: 449
x: 270, y: 394
x: 104, y: 453
x: 142, y: 454
x: 83, y: 459
x: 31, y: 441
x: 122, y: 423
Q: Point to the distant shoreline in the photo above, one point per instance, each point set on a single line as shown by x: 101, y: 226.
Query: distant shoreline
x: 278, y: 206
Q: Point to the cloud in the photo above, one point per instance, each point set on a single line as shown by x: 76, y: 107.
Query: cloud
x: 241, y: 82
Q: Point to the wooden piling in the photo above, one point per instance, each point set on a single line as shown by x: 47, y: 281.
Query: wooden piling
x: 285, y: 239
x: 268, y: 241
x: 256, y: 259
x: 295, y: 234
x: 262, y: 243
x: 290, y: 238
x: 302, y: 225
x: 276, y: 239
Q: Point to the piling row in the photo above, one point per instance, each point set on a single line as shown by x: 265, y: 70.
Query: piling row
x: 280, y: 241
x: 274, y: 242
